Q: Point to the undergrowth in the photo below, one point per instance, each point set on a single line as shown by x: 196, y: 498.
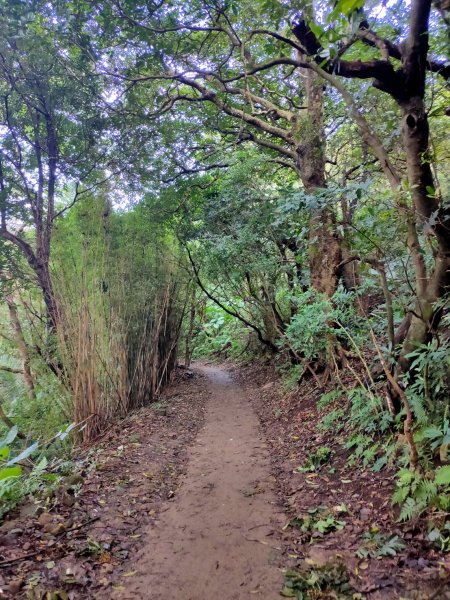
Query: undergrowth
x: 32, y: 470
x: 362, y: 413
x: 328, y: 581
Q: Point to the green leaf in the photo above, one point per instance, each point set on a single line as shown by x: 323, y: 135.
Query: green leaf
x: 42, y: 464
x: 380, y: 463
x: 405, y: 477
x: 66, y: 430
x: 288, y: 592
x: 316, y: 29
x: 4, y: 453
x: 25, y: 454
x: 432, y: 433
x: 10, y: 472
x: 443, y: 475
x: 348, y: 6
x: 434, y: 535
x: 12, y: 433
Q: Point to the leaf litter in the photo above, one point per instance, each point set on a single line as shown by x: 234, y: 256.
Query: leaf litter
x: 73, y: 544
x: 372, y: 555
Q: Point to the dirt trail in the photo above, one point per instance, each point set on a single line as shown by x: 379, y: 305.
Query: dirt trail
x: 217, y: 539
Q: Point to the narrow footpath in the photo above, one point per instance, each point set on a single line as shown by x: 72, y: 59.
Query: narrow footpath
x: 217, y: 539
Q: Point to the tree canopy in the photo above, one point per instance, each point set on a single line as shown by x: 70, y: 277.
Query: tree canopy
x: 229, y: 178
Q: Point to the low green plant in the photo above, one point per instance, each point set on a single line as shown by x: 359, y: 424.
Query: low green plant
x: 290, y: 376
x: 309, y: 330
x: 372, y: 442
x: 416, y: 492
x: 318, y: 522
x: 328, y: 398
x: 332, y: 420
x: 315, y: 322
x: 91, y: 548
x: 14, y: 488
x: 36, y: 415
x: 316, y: 460
x: 440, y: 537
x: 378, y: 545
x: 25, y: 472
x: 431, y: 366
x: 438, y: 438
x: 328, y: 581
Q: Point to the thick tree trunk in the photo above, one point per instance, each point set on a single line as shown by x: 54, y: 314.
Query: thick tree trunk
x: 46, y: 285
x: 429, y: 288
x: 39, y: 263
x: 325, y: 252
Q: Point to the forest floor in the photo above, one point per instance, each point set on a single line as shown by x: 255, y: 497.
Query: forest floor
x: 340, y: 519
x: 194, y: 498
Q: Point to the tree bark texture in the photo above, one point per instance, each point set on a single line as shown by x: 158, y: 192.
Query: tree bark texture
x: 325, y: 251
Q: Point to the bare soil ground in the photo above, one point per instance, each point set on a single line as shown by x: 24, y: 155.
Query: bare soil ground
x: 219, y: 538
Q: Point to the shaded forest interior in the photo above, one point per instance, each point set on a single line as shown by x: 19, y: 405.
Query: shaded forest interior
x: 264, y: 183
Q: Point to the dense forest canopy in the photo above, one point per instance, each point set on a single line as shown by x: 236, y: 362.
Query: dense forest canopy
x: 267, y: 180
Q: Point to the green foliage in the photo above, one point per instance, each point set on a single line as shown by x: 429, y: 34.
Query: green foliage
x: 440, y: 537
x: 434, y: 440
x: 378, y: 545
x: 291, y: 375
x: 368, y: 420
x: 417, y: 493
x: 316, y: 460
x: 327, y: 581
x: 318, y: 522
x: 332, y: 420
x: 8, y: 472
x: 48, y: 406
x: 374, y: 442
x: 14, y: 489
x: 217, y: 334
x: 318, y: 320
x: 442, y: 476
x: 20, y: 475
x: 329, y: 397
x: 92, y: 548
x: 128, y: 293
x: 309, y: 329
x: 431, y: 366
x: 437, y: 436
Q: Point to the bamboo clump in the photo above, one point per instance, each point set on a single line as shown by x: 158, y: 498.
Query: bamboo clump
x: 118, y: 334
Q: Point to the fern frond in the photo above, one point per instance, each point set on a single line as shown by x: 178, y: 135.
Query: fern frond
x: 418, y: 408
x: 410, y: 509
x: 400, y: 495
